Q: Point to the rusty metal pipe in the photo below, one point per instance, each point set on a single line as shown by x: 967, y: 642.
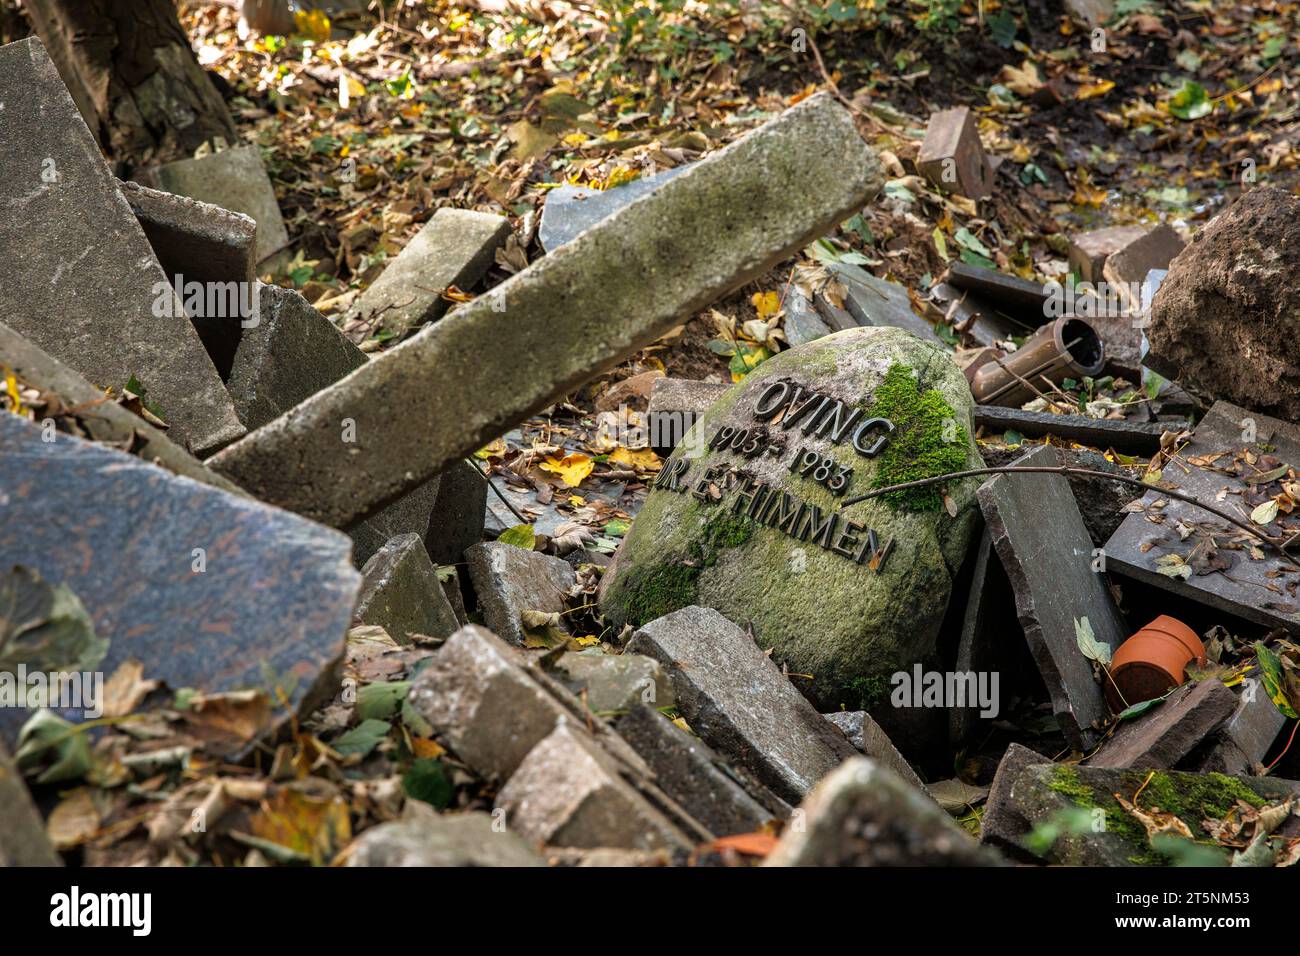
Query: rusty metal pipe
x: 1069, y: 347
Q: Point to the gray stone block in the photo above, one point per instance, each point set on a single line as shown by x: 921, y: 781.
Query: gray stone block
x: 426, y: 838
x: 80, y: 280
x: 608, y: 683
x: 866, y: 735
x: 1160, y: 738
x: 459, y: 512
x: 571, y: 210
x: 575, y: 312
x: 408, y: 514
x: 509, y: 580
x: 400, y: 592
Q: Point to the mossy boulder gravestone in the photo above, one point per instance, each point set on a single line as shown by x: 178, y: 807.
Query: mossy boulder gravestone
x: 747, y: 516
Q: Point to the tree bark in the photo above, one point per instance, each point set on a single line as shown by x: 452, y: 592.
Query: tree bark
x: 130, y: 69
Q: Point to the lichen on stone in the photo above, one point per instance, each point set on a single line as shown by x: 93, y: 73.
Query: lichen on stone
x: 928, y: 441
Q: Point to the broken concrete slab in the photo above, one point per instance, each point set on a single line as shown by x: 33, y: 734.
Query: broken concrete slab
x: 1126, y: 269
x: 675, y: 406
x: 103, y: 420
x: 952, y: 156
x: 803, y: 323
x: 456, y: 521
x: 1003, y: 824
x: 492, y: 704
x: 1132, y: 438
x: 772, y: 191
x: 724, y: 799
x: 454, y: 248
x: 510, y: 580
x: 1089, y: 250
x: 864, y: 814
x: 568, y: 792
x: 740, y: 703
x: 1160, y: 738
x: 400, y: 592
x: 1045, y: 549
x: 426, y: 838
x: 409, y: 514
x: 865, y: 734
x: 82, y: 283
x: 198, y: 242
x: 1239, y: 746
x: 214, y: 591
x: 1216, y: 321
x: 571, y: 210
x: 22, y: 830
x: 609, y: 683
x: 1111, y: 836
x: 873, y: 301
x: 1021, y: 298
x: 233, y: 179
x: 290, y: 354
x: 1229, y: 569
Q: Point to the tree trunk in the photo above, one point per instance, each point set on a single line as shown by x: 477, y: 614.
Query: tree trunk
x: 133, y: 75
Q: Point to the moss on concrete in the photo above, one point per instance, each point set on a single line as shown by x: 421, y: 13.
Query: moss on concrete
x: 928, y: 440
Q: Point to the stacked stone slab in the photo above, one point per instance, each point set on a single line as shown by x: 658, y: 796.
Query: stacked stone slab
x: 214, y: 591
x: 455, y: 248
x: 574, y: 312
x: 80, y: 278
x: 400, y: 592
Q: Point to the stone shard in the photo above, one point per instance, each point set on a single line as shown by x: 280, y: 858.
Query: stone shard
x: 1089, y: 250
x: 1047, y: 554
x: 233, y: 179
x: 866, y: 735
x: 983, y: 628
x: 578, y: 309
x: 1161, y: 738
x: 509, y: 580
x: 454, y: 248
x: 1041, y: 792
x: 22, y: 831
x: 569, y: 792
x: 846, y: 593
x: 458, y: 514
x: 863, y: 814
x: 492, y: 704
x: 740, y: 703
x: 873, y: 301
x: 1002, y: 824
x: 213, y: 591
x: 1134, y: 438
x: 724, y: 799
x: 80, y: 280
x: 426, y: 838
x: 409, y: 514
x: 1126, y: 269
x: 676, y: 404
x: 103, y: 421
x: 952, y: 156
x: 803, y: 323
x: 198, y: 242
x: 1220, y: 323
x: 291, y: 353
x: 400, y: 592
x: 609, y: 683
x: 1238, y: 748
x: 571, y: 210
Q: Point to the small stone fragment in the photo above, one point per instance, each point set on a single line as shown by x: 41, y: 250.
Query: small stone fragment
x: 510, y: 580
x: 400, y: 592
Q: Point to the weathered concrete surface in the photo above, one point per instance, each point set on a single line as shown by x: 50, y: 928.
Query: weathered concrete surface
x: 866, y: 735
x: 233, y: 179
x: 1238, y: 748
x: 613, y: 682
x: 426, y: 838
x: 213, y: 591
x: 575, y: 312
x: 1040, y: 792
x: 199, y: 242
x: 103, y: 420
x: 1223, y: 322
x: 79, y: 278
x: 722, y: 798
x: 287, y: 357
x: 455, y: 247
x: 863, y: 814
x: 400, y: 592
x: 570, y: 210
x: 1160, y: 738
x: 459, y: 511
x: 1003, y: 824
x: 1089, y: 250
x: 826, y: 612
x: 509, y: 580
x: 22, y: 830
x: 1047, y: 554
x: 740, y: 703
x: 409, y: 514
x: 569, y: 792
x: 874, y: 301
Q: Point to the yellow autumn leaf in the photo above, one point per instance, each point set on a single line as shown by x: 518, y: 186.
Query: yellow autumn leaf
x: 15, y: 400
x: 574, y: 139
x: 571, y: 468
x: 495, y: 447
x: 1090, y: 90
x: 591, y: 640
x: 312, y: 24
x: 1086, y: 195
x: 618, y: 176
x: 577, y: 500
x: 423, y: 748
x: 635, y: 458
x: 766, y: 304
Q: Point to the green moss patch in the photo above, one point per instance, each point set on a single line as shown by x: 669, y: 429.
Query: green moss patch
x: 917, y: 449
x: 670, y: 586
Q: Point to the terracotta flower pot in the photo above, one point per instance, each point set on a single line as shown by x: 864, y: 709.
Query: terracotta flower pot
x: 1152, y: 661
